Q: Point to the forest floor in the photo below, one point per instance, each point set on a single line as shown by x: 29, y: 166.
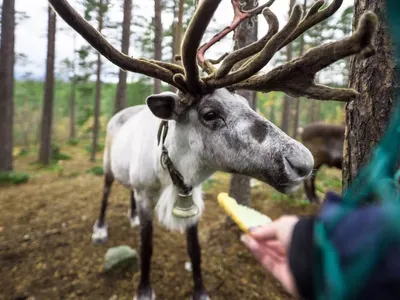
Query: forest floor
x: 46, y: 250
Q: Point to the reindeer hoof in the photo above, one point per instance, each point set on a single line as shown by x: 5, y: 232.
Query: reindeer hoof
x: 100, y: 234
x: 188, y: 266
x: 145, y: 295
x: 200, y: 296
x: 134, y: 220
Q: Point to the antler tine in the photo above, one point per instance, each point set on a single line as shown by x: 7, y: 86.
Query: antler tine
x: 313, y: 17
x: 296, y: 78
x: 191, y: 42
x: 239, y: 17
x: 263, y: 57
x: 252, y: 49
x: 94, y: 38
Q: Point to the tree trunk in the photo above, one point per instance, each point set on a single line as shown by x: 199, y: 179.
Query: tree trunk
x: 298, y: 100
x: 72, y: 106
x: 287, y: 99
x: 374, y: 78
x: 120, y: 99
x: 72, y: 100
x: 178, y: 29
x: 47, y: 113
x: 174, y: 37
x: 7, y: 57
x: 158, y: 34
x: 245, y: 35
x: 96, y: 125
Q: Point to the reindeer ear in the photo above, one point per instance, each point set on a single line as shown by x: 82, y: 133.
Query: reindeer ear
x: 164, y: 105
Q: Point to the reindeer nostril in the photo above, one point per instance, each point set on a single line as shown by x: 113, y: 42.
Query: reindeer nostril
x: 301, y: 169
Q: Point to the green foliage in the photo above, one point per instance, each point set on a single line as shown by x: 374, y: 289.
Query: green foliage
x: 100, y: 147
x: 209, y: 184
x: 96, y: 170
x: 13, y: 178
x: 57, y: 155
x: 73, y: 142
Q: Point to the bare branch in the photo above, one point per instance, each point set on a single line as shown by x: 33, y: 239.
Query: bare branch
x: 191, y: 42
x: 262, y: 58
x: 296, y: 78
x: 239, y: 17
x: 252, y: 49
x: 94, y: 38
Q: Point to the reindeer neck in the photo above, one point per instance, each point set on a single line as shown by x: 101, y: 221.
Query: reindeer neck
x: 184, y: 156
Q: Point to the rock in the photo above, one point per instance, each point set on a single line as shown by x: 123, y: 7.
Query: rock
x: 120, y: 257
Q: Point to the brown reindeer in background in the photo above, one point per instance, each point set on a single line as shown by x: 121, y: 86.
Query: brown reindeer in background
x: 210, y: 127
x: 325, y: 141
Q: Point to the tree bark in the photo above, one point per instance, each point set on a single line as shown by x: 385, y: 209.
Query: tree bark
x: 374, y: 78
x: 287, y: 100
x: 7, y: 58
x: 96, y: 125
x: 298, y: 100
x: 47, y: 113
x: 178, y: 29
x: 240, y: 185
x: 120, y: 99
x: 158, y: 34
x: 72, y: 100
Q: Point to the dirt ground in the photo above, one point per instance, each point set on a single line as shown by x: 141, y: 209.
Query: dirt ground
x: 46, y: 250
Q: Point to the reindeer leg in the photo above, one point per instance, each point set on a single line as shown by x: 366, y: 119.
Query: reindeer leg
x: 132, y: 213
x: 100, y: 232
x: 307, y: 188
x: 145, y: 292
x: 314, y: 197
x: 194, y: 251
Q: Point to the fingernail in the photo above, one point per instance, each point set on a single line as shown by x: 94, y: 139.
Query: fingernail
x: 244, y: 238
x: 251, y: 229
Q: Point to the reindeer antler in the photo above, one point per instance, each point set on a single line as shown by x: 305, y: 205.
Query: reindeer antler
x: 295, y: 78
x: 94, y: 38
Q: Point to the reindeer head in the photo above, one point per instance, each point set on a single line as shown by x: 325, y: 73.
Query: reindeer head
x: 219, y: 125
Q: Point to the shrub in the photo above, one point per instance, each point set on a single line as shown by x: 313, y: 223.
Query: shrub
x: 57, y: 155
x: 100, y: 147
x: 73, y: 142
x: 97, y: 170
x: 60, y: 156
x: 12, y: 177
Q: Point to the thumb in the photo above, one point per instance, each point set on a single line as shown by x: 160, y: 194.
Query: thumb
x: 266, y: 232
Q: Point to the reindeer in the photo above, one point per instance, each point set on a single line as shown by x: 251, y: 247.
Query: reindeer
x: 325, y: 141
x: 163, y: 151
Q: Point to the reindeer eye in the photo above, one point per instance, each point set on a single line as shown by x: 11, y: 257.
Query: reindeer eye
x: 210, y: 116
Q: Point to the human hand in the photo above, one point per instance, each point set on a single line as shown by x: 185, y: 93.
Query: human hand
x: 270, y: 244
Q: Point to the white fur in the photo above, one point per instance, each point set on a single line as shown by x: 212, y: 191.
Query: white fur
x: 132, y: 155
x: 165, y: 205
x: 100, y: 234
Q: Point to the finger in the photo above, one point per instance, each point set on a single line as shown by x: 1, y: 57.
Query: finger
x: 275, y: 246
x: 261, y: 250
x: 266, y: 232
x: 274, y: 255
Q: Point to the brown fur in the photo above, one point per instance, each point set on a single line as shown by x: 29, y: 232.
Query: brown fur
x: 325, y: 141
x: 322, y: 130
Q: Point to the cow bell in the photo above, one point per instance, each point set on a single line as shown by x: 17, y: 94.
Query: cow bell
x: 184, y: 207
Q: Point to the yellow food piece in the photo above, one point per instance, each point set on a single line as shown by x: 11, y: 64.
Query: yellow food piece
x: 245, y: 217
